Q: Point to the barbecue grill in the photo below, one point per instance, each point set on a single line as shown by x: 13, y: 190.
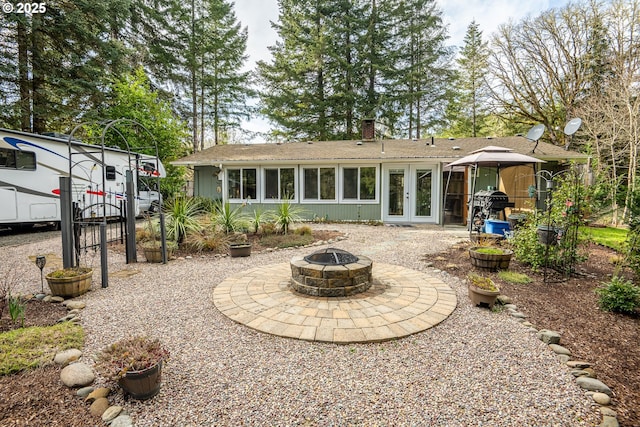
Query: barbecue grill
x: 488, y: 204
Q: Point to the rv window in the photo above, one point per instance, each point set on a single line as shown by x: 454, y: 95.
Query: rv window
x: 110, y: 172
x: 15, y: 159
x: 26, y: 160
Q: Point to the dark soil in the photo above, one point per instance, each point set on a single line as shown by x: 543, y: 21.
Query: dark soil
x: 570, y: 306
x: 37, y: 397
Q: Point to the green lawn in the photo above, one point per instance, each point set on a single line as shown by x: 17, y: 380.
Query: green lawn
x: 610, y: 237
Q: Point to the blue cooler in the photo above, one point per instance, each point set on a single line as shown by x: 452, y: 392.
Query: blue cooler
x: 495, y: 226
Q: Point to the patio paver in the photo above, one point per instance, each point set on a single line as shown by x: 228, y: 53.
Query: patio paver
x: 400, y: 302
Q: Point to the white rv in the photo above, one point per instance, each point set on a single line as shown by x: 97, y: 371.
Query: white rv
x: 30, y: 167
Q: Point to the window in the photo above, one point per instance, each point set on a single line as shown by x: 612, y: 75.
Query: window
x: 279, y: 183
x: 242, y: 183
x: 16, y: 159
x: 359, y: 183
x: 319, y: 183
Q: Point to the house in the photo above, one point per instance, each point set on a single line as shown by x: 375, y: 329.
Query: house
x: 394, y: 181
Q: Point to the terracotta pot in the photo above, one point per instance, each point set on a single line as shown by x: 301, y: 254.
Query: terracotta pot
x: 481, y: 296
x: 71, y: 286
x: 239, y: 249
x: 144, y: 384
x: 490, y: 261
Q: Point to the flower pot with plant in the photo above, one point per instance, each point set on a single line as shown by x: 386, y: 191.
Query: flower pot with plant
x: 151, y: 244
x: 70, y: 282
x: 482, y: 290
x: 490, y: 257
x: 136, y: 364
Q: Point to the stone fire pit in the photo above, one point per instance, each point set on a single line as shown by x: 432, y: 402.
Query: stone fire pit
x: 331, y: 272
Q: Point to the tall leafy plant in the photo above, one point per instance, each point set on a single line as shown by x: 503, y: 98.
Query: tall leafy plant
x: 182, y: 217
x: 229, y: 219
x: 287, y: 214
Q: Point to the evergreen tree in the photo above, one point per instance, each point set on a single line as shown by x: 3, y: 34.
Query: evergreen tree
x: 340, y: 61
x: 54, y: 64
x: 468, y: 110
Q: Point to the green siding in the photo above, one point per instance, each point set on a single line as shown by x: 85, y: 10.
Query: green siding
x: 206, y: 182
x: 331, y: 212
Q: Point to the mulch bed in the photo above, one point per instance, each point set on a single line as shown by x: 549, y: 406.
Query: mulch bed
x: 570, y: 306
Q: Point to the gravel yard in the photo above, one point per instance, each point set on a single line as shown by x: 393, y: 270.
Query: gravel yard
x: 476, y: 368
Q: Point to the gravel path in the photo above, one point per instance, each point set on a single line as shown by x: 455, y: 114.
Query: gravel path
x: 477, y: 368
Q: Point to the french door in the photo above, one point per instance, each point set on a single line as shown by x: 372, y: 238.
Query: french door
x: 409, y: 193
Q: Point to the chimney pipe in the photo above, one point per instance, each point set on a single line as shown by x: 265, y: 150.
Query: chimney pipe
x: 368, y: 129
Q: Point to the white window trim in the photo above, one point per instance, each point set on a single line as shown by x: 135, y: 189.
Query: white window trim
x: 358, y: 201
x: 226, y: 183
x: 262, y: 182
x: 318, y: 200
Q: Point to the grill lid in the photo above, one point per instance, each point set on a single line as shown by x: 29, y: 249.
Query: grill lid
x: 331, y: 256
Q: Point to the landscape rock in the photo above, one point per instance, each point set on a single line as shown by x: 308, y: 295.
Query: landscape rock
x: 84, y: 391
x: 56, y: 299
x: 503, y: 299
x: 549, y: 337
x: 563, y: 358
x: 518, y: 315
x: 77, y: 375
x: 593, y: 385
x: 608, y: 412
x: 98, y: 393
x: 558, y: 349
x: 76, y: 305
x: 98, y: 407
x: 111, y: 413
x: 578, y: 364
x: 122, y: 421
x: 601, y: 399
x: 67, y: 356
x: 609, y: 422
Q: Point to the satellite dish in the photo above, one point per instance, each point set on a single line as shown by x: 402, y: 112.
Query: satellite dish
x: 572, y: 126
x: 536, y: 132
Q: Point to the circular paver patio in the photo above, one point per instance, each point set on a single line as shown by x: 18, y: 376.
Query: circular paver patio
x: 400, y: 302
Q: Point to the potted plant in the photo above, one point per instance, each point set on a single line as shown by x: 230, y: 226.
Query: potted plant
x: 239, y: 246
x: 70, y: 282
x: 136, y: 364
x: 490, y: 257
x: 152, y: 245
x: 482, y: 290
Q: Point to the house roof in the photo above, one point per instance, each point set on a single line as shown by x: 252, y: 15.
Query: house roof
x: 443, y: 150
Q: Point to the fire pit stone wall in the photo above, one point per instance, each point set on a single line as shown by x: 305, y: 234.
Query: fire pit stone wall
x: 331, y: 280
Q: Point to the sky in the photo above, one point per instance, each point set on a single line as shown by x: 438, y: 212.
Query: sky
x: 257, y: 15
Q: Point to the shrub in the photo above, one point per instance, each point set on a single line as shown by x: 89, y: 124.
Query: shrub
x: 619, y: 295
x: 305, y: 230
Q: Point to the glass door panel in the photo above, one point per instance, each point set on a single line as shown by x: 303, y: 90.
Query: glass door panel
x: 423, y: 186
x: 396, y: 192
